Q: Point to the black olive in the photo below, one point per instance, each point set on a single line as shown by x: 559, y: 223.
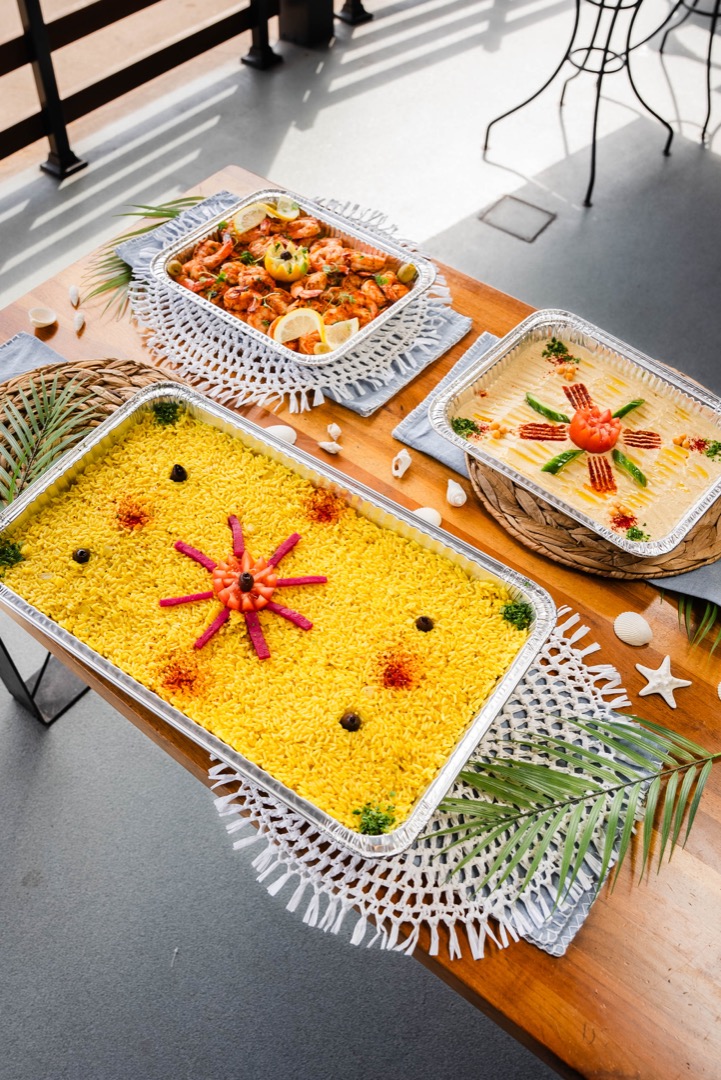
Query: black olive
x: 351, y: 721
x: 178, y: 474
x: 424, y: 624
x: 286, y: 255
x: 81, y: 555
x: 246, y: 582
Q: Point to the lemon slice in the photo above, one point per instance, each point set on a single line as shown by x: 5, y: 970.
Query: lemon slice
x: 285, y: 209
x: 338, y: 333
x: 320, y: 348
x: 250, y: 216
x: 407, y: 273
x: 297, y: 323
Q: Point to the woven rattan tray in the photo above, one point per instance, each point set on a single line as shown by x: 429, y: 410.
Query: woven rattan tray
x: 550, y: 532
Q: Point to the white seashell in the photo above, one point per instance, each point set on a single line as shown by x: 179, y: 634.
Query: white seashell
x: 283, y: 432
x: 42, y: 316
x: 718, y: 689
x: 429, y: 514
x: 334, y: 431
x: 74, y: 294
x: 78, y: 322
x: 401, y: 463
x: 330, y: 447
x: 632, y: 628
x: 455, y: 494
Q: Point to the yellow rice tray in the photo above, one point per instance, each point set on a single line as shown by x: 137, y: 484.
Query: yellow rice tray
x: 352, y: 681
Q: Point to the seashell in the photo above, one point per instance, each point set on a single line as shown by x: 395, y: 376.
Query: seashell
x: 401, y: 463
x: 334, y: 431
x: 330, y: 447
x: 74, y: 294
x: 718, y: 689
x: 283, y: 432
x: 632, y: 628
x: 78, y: 322
x: 429, y: 514
x: 455, y: 494
x: 42, y: 316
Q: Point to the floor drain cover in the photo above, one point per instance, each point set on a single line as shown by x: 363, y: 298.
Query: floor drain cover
x: 519, y: 218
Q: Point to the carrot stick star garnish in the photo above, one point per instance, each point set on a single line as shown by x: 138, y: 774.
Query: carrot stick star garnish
x: 244, y: 584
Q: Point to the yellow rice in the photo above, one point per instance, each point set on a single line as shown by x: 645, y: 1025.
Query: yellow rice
x: 282, y: 713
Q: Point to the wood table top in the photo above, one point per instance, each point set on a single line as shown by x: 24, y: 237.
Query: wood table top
x: 638, y: 993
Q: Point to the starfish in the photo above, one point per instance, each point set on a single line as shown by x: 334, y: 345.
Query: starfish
x: 661, y: 681
x: 242, y: 583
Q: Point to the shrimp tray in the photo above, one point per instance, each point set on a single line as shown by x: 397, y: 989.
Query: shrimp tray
x: 293, y: 276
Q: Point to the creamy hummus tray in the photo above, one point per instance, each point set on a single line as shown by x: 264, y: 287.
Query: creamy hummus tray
x: 291, y: 275
x: 343, y: 656
x: 616, y: 440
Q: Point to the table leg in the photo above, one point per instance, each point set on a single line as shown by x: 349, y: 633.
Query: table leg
x: 48, y: 694
x: 261, y: 55
x: 354, y: 13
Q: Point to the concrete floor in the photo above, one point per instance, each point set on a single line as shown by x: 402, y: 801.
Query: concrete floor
x: 112, y: 856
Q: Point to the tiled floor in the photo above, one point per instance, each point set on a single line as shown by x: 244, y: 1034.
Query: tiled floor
x: 135, y: 943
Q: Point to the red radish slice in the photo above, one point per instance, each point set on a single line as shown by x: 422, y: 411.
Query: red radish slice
x: 310, y: 580
x: 214, y: 627
x: 173, y: 600
x: 284, y: 548
x: 290, y: 615
x: 193, y: 553
x: 256, y: 635
x: 237, y: 531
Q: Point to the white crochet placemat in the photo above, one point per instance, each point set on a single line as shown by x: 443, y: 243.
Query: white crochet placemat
x: 391, y: 899
x: 230, y: 367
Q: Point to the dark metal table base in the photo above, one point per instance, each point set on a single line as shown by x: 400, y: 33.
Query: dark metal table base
x: 48, y: 693
x: 600, y: 59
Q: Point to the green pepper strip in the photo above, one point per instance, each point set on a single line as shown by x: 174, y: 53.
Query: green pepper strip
x: 544, y: 410
x: 628, y: 466
x: 560, y: 460
x: 627, y: 408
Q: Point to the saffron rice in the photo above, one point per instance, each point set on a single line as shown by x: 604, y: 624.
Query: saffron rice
x: 414, y: 691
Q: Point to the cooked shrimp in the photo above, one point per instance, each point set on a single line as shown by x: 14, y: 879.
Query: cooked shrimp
x: 260, y: 319
x: 328, y: 255
x: 223, y: 252
x: 308, y: 342
x: 303, y: 228
x: 393, y: 289
x: 364, y: 263
x: 235, y: 272
x: 350, y: 305
x: 309, y: 286
x: 205, y: 249
x: 276, y: 302
x: 240, y: 299
x: 195, y: 269
x: 258, y: 248
x: 372, y: 291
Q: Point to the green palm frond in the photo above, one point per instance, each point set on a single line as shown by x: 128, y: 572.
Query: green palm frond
x: 581, y: 801
x: 108, y: 274
x: 699, y: 624
x: 53, y: 417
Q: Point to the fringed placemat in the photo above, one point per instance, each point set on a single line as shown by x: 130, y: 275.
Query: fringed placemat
x: 230, y: 367
x: 393, y: 899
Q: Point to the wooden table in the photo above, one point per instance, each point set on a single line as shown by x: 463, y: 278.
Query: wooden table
x: 638, y: 994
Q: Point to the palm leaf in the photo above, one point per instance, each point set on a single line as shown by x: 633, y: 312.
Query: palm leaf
x: 52, y: 420
x: 110, y: 275
x: 582, y: 801
x: 698, y: 626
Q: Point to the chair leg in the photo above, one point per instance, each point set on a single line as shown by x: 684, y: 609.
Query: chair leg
x: 647, y: 107
x: 599, y: 84
x: 689, y: 11
x: 714, y: 20
x: 545, y: 85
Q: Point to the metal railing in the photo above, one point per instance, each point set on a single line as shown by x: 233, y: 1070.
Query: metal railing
x: 40, y: 39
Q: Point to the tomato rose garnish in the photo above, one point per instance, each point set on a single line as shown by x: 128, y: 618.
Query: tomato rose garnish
x: 594, y: 430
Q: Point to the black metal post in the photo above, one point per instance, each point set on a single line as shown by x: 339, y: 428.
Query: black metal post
x: 354, y: 13
x: 48, y: 694
x: 306, y: 22
x: 261, y: 55
x: 61, y: 161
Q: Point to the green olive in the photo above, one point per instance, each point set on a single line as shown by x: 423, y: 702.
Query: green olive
x: 174, y: 268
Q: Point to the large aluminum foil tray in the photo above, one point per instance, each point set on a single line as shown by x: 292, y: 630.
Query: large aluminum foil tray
x: 353, y: 235
x: 540, y: 326
x: 376, y: 508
